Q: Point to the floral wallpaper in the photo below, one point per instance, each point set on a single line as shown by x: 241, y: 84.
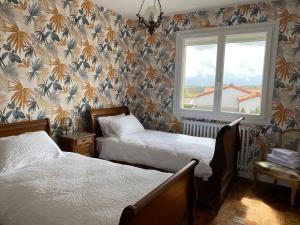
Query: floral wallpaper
x: 60, y: 58
x: 157, y: 60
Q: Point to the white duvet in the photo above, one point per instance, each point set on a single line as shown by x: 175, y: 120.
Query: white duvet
x: 72, y: 190
x: 161, y: 150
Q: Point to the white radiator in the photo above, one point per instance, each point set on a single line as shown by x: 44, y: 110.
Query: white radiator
x: 209, y: 129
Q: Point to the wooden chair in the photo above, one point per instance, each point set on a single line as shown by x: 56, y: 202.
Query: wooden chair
x: 290, y: 139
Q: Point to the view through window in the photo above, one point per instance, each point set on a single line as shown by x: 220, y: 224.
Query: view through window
x: 200, y: 73
x: 242, y: 73
x: 226, y: 72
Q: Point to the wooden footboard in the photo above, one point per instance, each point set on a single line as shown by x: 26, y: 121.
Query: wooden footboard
x: 224, y: 166
x: 172, y: 203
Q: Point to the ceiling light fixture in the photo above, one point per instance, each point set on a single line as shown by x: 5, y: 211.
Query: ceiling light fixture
x: 152, y: 18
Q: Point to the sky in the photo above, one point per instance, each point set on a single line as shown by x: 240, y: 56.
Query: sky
x: 239, y: 68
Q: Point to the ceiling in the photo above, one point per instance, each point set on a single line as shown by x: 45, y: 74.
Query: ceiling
x: 129, y: 8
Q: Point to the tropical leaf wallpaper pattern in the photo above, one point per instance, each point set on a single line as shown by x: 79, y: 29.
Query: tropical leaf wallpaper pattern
x: 157, y: 54
x: 59, y: 58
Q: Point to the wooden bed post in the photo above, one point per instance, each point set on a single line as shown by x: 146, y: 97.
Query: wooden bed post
x: 171, y: 203
x: 48, y: 127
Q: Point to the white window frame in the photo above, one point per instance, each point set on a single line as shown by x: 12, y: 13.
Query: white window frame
x: 271, y: 28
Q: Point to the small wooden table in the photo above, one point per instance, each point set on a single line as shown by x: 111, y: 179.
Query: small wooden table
x: 79, y: 142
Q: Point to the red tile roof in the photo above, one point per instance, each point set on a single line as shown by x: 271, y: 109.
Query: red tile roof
x: 247, y: 97
x: 250, y: 92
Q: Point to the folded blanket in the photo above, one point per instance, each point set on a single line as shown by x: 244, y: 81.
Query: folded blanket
x: 282, y: 162
x: 293, y: 159
x: 285, y: 152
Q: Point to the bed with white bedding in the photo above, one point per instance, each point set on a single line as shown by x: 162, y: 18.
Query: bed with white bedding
x: 69, y: 191
x: 41, y: 185
x: 157, y: 149
x: 121, y: 138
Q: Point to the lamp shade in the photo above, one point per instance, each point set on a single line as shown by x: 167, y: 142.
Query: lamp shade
x: 151, y: 14
x: 152, y: 17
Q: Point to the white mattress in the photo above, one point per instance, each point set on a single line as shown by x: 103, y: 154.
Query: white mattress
x: 73, y: 190
x: 161, y: 150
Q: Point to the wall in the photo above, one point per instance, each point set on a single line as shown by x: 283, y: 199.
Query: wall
x: 157, y: 54
x: 250, y: 104
x: 204, y: 101
x: 59, y: 58
x: 230, y: 99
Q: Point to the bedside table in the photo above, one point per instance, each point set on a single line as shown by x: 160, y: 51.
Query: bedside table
x: 79, y: 142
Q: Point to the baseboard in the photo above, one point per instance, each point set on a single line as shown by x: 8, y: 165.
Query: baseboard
x: 262, y: 178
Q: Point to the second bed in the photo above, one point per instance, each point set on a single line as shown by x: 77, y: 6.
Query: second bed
x: 168, y: 152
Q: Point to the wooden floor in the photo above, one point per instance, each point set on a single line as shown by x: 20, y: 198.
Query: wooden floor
x: 267, y: 204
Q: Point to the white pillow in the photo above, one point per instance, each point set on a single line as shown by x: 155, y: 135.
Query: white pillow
x: 126, y: 125
x: 105, y: 126
x: 25, y: 149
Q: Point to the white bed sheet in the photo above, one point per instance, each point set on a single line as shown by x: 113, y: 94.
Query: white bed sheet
x: 73, y: 190
x: 161, y: 150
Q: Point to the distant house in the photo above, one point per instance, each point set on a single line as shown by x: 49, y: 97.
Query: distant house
x: 234, y: 99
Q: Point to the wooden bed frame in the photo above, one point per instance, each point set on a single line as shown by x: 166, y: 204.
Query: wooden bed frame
x: 224, y: 163
x: 171, y: 203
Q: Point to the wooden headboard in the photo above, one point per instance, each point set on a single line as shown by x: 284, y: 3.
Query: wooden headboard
x: 95, y: 113
x: 25, y: 126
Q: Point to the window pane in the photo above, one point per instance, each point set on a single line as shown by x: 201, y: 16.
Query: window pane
x: 200, y: 73
x: 243, y: 73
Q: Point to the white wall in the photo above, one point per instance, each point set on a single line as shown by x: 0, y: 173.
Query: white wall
x: 250, y: 104
x: 229, y: 99
x: 204, y: 101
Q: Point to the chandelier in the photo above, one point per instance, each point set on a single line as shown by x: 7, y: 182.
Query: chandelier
x: 152, y: 18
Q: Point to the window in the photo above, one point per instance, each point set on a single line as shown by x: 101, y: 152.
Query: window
x: 223, y: 73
